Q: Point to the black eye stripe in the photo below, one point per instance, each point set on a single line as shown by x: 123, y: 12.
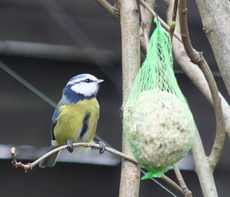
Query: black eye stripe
x: 85, y: 80
x: 88, y: 80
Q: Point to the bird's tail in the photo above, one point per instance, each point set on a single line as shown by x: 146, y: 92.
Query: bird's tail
x: 51, y: 160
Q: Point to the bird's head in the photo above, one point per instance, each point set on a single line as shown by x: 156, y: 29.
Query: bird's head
x: 81, y: 87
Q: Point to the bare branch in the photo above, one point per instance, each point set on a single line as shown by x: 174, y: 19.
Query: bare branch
x: 197, y: 58
x: 28, y: 167
x: 203, y: 171
x: 149, y: 16
x: 110, y: 9
x: 113, y: 12
x: 186, y: 191
x: 194, y: 73
x: 172, y: 25
x: 144, y: 25
x: 147, y: 20
x: 174, y: 10
x: 159, y: 19
x: 172, y: 183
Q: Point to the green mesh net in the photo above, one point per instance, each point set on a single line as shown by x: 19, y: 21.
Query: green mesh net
x: 157, y: 121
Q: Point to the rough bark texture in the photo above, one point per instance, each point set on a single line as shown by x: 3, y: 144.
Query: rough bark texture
x: 215, y: 19
x: 130, y: 173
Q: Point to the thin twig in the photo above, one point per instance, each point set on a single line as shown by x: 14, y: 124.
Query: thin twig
x: 16, y: 164
x: 148, y: 16
x: 172, y: 25
x: 113, y: 12
x: 186, y: 191
x: 197, y: 58
x: 143, y: 47
x: 29, y: 166
x: 179, y: 176
x: 143, y: 25
x: 159, y: 19
x: 110, y: 9
x: 172, y: 183
x: 174, y: 10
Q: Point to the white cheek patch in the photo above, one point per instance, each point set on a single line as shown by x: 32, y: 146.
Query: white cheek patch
x: 86, y: 89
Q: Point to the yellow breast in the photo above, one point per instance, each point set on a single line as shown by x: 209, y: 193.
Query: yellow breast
x: 77, y: 122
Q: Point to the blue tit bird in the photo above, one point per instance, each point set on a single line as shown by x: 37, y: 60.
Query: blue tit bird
x: 76, y: 115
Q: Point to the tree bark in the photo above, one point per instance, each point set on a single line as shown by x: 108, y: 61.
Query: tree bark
x: 130, y: 173
x: 215, y: 19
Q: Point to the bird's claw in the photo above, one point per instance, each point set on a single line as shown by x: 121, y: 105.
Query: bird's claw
x: 69, y: 145
x: 102, y: 147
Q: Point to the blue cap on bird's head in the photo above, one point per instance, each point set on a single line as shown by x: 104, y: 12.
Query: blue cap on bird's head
x: 80, y: 87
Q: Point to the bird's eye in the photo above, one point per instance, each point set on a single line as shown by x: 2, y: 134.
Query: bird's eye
x: 88, y: 80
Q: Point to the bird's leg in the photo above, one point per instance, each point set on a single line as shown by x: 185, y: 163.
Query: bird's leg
x: 102, y: 146
x: 69, y: 145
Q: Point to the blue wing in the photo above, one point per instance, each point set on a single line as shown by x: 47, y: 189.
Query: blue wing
x: 51, y: 160
x: 54, y: 122
x: 55, y: 117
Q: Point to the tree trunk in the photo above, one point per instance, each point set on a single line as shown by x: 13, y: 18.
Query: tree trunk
x: 130, y: 173
x: 215, y: 16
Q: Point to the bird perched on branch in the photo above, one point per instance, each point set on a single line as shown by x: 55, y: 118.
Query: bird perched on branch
x: 76, y: 115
